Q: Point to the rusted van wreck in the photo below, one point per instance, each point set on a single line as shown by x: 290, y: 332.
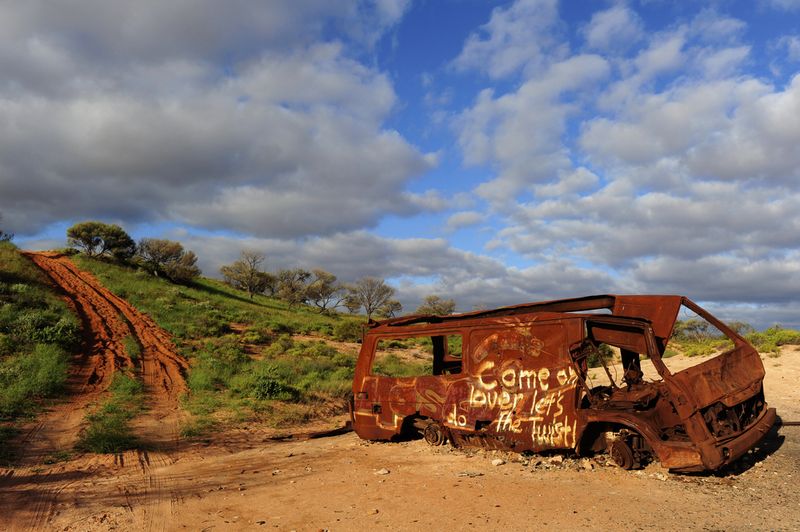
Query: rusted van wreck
x: 516, y: 378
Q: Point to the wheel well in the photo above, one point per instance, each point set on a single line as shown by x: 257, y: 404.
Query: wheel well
x: 412, y: 426
x: 593, y: 437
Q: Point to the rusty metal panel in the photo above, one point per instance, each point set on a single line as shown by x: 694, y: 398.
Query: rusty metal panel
x: 662, y: 311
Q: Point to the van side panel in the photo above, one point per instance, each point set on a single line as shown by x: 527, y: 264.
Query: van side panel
x: 522, y: 389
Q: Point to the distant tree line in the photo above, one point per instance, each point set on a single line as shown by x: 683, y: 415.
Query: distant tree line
x: 317, y: 287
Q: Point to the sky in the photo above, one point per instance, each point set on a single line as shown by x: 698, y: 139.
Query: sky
x: 490, y: 152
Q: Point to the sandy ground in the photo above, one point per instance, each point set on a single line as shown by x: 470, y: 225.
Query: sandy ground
x: 245, y: 479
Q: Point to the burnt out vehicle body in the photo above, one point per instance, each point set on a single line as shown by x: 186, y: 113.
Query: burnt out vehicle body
x: 516, y: 378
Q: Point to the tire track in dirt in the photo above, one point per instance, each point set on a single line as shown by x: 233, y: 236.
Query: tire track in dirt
x: 107, y: 321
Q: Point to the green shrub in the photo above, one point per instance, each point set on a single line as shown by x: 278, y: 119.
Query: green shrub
x: 598, y: 356
x: 7, y: 345
x: 23, y: 377
x: 391, y: 365
x: 348, y: 331
x: 771, y: 339
x: 264, y: 382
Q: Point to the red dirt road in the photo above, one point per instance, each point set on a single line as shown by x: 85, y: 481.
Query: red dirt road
x: 107, y: 321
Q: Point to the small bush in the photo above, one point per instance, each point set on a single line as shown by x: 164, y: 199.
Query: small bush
x: 264, y: 382
x: 770, y: 340
x: 348, y: 331
x: 598, y: 356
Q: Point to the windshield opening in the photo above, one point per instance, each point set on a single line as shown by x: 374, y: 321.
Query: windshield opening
x: 694, y: 340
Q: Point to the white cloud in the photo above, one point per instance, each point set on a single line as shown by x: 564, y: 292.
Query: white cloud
x: 516, y: 37
x: 723, y: 63
x: 792, y: 45
x: 615, y: 28
x: 520, y: 132
x: 784, y: 5
x: 581, y: 179
x: 464, y: 219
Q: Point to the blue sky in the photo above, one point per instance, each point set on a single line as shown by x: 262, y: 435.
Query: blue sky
x: 492, y: 152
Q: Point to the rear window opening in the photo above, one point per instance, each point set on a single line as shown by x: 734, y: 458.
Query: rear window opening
x: 418, y: 356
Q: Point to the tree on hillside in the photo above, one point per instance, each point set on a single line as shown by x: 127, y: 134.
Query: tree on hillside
x: 168, y: 258
x: 351, y: 303
x: 324, y: 292
x: 246, y: 273
x: 437, y: 306
x: 292, y: 285
x: 370, y: 293
x: 390, y: 309
x: 97, y: 239
x: 5, y: 237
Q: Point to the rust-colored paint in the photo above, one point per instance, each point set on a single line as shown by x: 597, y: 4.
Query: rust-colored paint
x: 520, y: 384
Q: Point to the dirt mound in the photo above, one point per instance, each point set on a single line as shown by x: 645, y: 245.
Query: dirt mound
x: 108, y: 323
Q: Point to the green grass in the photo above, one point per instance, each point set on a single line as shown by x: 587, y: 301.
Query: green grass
x: 693, y: 347
x: 108, y: 429
x: 132, y: 347
x: 37, y: 334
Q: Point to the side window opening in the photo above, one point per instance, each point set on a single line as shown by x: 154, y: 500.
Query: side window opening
x: 418, y: 356
x: 614, y: 354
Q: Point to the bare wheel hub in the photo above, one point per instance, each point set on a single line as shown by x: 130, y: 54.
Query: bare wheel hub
x: 434, y: 434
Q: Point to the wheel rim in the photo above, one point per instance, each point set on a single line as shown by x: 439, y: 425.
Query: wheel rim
x: 622, y: 454
x: 434, y: 434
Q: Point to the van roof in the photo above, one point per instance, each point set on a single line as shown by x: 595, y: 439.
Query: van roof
x: 660, y: 310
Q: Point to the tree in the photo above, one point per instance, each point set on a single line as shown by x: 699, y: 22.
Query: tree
x: 97, y: 238
x: 246, y: 274
x: 351, y: 303
x: 5, y: 237
x: 437, y: 306
x: 390, y: 309
x: 741, y: 328
x: 324, y: 292
x: 371, y: 293
x: 292, y: 285
x: 168, y: 258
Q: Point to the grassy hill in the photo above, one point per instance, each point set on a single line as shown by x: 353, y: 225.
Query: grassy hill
x: 37, y: 334
x: 246, y: 360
